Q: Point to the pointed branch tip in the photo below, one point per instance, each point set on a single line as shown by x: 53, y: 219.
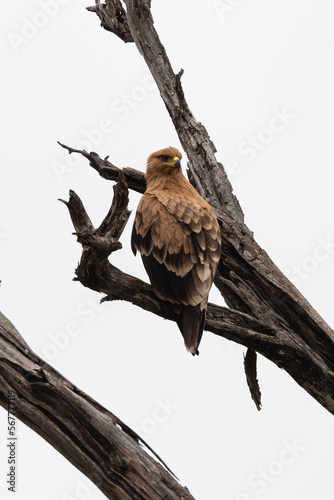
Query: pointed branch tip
x: 63, y: 201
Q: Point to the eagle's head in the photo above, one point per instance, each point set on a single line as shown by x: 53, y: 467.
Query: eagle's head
x: 163, y: 163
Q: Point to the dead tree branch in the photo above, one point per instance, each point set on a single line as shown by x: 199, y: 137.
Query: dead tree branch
x: 94, y: 440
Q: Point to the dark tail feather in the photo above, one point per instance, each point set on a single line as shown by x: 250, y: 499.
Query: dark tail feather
x: 191, y: 323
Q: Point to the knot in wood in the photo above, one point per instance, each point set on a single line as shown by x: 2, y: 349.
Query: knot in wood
x: 119, y: 464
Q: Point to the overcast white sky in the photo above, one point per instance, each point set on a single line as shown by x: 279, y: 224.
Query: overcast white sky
x: 259, y: 75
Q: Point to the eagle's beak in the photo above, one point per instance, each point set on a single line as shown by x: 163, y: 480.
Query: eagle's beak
x: 176, y: 162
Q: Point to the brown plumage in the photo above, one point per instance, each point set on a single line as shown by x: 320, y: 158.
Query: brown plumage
x: 178, y: 237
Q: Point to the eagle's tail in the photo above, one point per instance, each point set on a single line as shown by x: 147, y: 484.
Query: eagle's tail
x: 191, y: 323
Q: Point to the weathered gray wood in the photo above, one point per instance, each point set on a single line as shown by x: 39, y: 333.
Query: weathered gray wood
x: 93, y: 439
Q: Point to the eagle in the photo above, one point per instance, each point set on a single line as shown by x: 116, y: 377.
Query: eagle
x: 177, y: 234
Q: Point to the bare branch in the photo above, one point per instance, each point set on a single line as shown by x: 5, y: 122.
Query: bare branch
x: 94, y: 440
x: 134, y: 178
x: 251, y: 376
x: 113, y: 18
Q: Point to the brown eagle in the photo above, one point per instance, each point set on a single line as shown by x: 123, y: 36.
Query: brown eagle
x: 178, y: 237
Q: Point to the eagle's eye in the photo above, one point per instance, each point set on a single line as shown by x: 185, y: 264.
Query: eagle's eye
x: 164, y: 158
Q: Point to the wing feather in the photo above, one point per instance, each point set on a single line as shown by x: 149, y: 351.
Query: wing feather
x: 179, y: 240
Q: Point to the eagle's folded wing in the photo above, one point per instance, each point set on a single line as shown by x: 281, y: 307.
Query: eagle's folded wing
x: 179, y: 241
